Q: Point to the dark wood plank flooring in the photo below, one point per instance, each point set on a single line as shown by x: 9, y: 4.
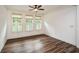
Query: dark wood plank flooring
x: 38, y: 44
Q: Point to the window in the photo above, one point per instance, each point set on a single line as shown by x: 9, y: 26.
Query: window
x: 29, y: 23
x: 37, y: 23
x: 17, y: 25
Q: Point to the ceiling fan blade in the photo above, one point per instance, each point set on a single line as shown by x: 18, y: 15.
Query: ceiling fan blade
x: 39, y: 6
x: 40, y: 9
x: 31, y: 6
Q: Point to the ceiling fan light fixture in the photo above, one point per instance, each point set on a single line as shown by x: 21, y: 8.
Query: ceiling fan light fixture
x: 35, y: 10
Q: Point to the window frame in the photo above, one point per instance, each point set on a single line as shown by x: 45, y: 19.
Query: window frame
x: 32, y: 23
x: 41, y: 24
x: 17, y: 25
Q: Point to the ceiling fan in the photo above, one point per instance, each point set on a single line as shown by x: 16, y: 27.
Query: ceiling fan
x: 36, y: 8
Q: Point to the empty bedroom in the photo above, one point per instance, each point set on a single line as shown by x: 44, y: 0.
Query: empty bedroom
x: 39, y: 29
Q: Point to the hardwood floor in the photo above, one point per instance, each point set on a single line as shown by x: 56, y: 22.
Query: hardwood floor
x: 38, y: 44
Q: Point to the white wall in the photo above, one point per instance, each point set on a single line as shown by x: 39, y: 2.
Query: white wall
x: 11, y: 35
x: 3, y: 26
x: 60, y: 23
x: 77, y: 26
